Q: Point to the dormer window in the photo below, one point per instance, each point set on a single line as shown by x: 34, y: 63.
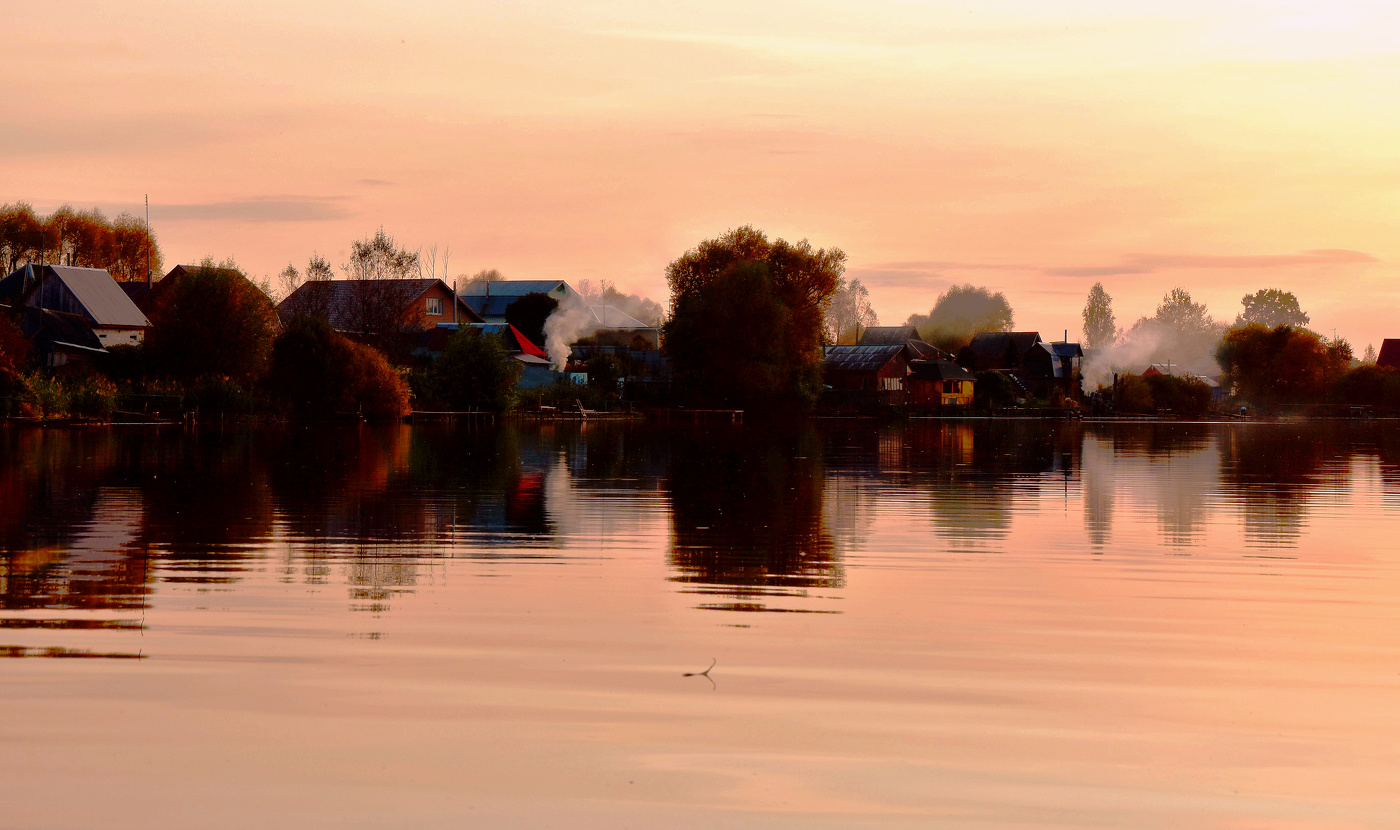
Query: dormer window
x: 435, y: 306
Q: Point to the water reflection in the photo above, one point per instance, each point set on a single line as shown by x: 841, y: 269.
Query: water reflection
x: 754, y: 519
x: 746, y: 517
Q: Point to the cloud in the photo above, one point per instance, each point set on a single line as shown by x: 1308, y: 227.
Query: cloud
x: 257, y: 209
x: 1151, y: 263
x: 374, y: 182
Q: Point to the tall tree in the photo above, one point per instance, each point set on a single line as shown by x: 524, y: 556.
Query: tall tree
x: 136, y: 254
x: 1271, y: 307
x: 1100, y: 327
x: 1180, y: 313
x: 485, y: 275
x: 850, y: 310
x: 379, y: 298
x: 962, y: 312
x: 213, y: 322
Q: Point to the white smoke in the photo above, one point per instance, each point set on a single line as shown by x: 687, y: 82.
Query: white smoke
x: 1148, y: 342
x: 569, y: 322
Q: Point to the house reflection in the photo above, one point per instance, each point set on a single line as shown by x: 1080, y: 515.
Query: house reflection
x: 746, y: 516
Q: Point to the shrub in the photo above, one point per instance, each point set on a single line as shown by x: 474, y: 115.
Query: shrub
x: 92, y: 397
x: 44, y: 396
x: 1183, y: 396
x: 1370, y: 385
x: 1133, y: 394
x: 316, y: 372
x: 475, y: 372
x: 992, y: 389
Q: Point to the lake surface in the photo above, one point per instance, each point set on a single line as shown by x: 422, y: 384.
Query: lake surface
x: 938, y: 624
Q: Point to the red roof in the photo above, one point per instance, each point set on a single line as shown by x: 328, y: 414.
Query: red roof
x: 525, y: 345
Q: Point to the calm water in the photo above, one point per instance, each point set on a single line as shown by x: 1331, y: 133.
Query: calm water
x: 936, y: 625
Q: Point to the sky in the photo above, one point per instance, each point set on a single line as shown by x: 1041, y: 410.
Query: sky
x: 1031, y: 147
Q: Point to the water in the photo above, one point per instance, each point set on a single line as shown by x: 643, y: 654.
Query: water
x: 1010, y: 624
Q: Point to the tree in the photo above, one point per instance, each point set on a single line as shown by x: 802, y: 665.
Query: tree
x: 136, y: 255
x: 379, y: 298
x: 1281, y: 365
x: 746, y: 321
x: 316, y: 373
x: 962, y: 312
x: 1100, y: 328
x: 850, y: 310
x: 318, y: 269
x: 288, y: 280
x: 21, y: 235
x: 475, y: 372
x: 1370, y: 355
x: 213, y: 322
x: 1271, y: 307
x: 485, y: 275
x: 529, y: 313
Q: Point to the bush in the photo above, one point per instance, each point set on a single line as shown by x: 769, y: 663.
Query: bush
x: 43, y: 396
x: 1133, y: 394
x: 1183, y: 396
x: 316, y: 373
x: 93, y: 397
x: 1370, y: 385
x: 221, y: 396
x: 992, y: 389
x: 475, y: 372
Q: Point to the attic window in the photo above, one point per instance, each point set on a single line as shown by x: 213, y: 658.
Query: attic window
x: 435, y: 306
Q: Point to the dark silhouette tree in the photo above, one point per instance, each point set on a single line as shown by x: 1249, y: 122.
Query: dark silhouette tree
x: 475, y: 372
x: 529, y: 313
x: 747, y: 314
x: 212, y: 322
x: 1282, y: 365
x: 316, y: 372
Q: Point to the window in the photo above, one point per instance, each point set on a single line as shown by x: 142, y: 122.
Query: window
x: 891, y: 384
x: 435, y: 306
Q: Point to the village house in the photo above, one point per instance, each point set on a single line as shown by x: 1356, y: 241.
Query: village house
x: 89, y: 295
x: 937, y: 384
x: 536, y: 370
x: 866, y: 374
x: 1035, y: 365
x: 1390, y: 353
x: 489, y: 300
x: 1217, y: 392
x: 359, y: 306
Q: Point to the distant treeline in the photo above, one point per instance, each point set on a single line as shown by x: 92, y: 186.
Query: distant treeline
x: 88, y: 239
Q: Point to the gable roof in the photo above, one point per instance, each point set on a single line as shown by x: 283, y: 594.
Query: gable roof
x: 517, y: 288
x: 102, y: 300
x: 938, y: 370
x: 860, y: 358
x: 610, y: 317
x: 993, y: 343
x: 1063, y: 349
x: 1389, y: 354
x: 337, y: 298
x: 887, y: 336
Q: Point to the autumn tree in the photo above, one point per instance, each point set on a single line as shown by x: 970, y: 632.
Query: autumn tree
x: 746, y: 321
x: 21, y: 235
x: 135, y: 250
x: 850, y: 310
x: 1181, y: 332
x: 962, y: 312
x: 1280, y: 365
x: 1271, y: 307
x: 1100, y: 327
x: 85, y: 239
x: 317, y: 373
x: 212, y: 322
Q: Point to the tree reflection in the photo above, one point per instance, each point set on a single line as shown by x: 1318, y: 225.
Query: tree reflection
x: 1272, y: 471
x: 746, y: 512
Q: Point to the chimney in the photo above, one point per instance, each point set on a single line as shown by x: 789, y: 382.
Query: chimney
x: 455, y: 301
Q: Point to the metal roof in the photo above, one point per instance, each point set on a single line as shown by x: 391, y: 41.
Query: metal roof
x: 887, y: 335
x: 105, y: 301
x: 609, y: 317
x: 938, y: 370
x: 1390, y: 353
x: 515, y: 289
x: 1063, y: 349
x: 337, y: 298
x: 860, y: 358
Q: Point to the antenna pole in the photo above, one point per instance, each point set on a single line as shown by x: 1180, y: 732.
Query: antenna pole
x: 148, y: 241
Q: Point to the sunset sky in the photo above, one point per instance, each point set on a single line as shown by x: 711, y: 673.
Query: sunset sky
x: 1031, y: 147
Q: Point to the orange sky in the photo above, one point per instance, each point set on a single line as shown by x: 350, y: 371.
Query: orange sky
x: 1223, y: 146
